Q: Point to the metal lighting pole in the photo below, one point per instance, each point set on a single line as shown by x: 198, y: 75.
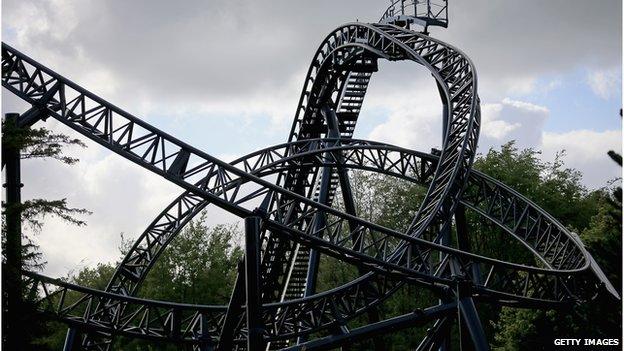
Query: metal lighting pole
x: 12, y: 281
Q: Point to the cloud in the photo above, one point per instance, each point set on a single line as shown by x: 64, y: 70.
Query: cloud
x: 491, y: 124
x: 512, y: 49
x: 604, y: 83
x: 121, y: 195
x: 418, y: 126
x: 512, y: 120
x: 411, y: 113
x: 241, y: 53
x: 586, y: 151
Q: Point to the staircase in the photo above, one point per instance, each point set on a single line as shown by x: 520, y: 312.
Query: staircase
x: 349, y: 106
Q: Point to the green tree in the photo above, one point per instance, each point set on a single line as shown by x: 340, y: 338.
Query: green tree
x: 31, y: 143
x: 558, y: 190
x: 198, y: 266
x: 601, y: 318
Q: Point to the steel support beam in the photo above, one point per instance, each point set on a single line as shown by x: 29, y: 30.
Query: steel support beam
x: 463, y: 239
x: 255, y: 327
x: 72, y: 340
x: 32, y: 116
x: 409, y: 320
x: 444, y: 334
x: 472, y: 336
x: 235, y: 308
x: 319, y: 220
x: 12, y: 279
x: 326, y: 177
x: 436, y: 335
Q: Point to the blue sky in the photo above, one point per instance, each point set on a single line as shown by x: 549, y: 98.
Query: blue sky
x: 573, y: 104
x: 226, y: 77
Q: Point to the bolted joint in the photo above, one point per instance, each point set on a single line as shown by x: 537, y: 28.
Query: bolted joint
x: 260, y: 212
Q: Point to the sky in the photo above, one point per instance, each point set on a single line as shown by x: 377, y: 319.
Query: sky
x: 225, y: 76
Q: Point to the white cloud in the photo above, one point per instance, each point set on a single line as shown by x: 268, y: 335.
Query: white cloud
x: 122, y: 196
x: 586, y: 151
x: 511, y: 120
x: 525, y: 105
x: 413, y: 115
x: 491, y: 125
x: 604, y: 83
x: 418, y: 126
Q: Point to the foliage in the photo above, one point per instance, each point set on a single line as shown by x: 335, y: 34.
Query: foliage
x: 556, y: 189
x: 601, y: 234
x: 198, y: 266
x: 33, y: 143
x: 34, y: 212
x: 38, y: 142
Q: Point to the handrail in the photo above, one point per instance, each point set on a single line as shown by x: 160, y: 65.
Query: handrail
x: 424, y: 12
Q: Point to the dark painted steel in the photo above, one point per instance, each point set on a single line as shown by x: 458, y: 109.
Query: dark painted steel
x: 234, y: 310
x: 255, y: 327
x: 390, y: 325
x: 469, y: 322
x: 72, y: 340
x: 12, y: 271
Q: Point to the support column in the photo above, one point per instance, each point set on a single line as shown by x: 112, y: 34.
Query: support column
x: 72, y: 340
x: 445, y: 239
x: 471, y: 333
x: 12, y: 282
x: 255, y: 339
x: 463, y: 240
x: 436, y: 335
x: 319, y: 220
x: 235, y: 308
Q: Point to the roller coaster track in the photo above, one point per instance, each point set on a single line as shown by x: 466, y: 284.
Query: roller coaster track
x: 298, y: 220
x: 498, y: 204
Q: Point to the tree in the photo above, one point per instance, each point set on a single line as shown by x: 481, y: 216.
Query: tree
x: 555, y: 188
x: 18, y: 250
x: 601, y: 234
x: 198, y: 266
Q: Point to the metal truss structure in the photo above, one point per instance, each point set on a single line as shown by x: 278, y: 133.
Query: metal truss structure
x: 286, y: 194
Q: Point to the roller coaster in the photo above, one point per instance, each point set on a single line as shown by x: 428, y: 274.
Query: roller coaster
x: 286, y: 195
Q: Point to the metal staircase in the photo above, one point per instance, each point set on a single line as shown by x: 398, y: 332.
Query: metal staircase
x: 347, y: 111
